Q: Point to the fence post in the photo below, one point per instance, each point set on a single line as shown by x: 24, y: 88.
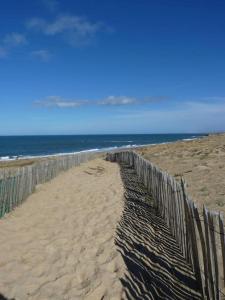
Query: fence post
x: 210, y: 276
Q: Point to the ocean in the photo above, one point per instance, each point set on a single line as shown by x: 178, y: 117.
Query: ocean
x: 14, y: 147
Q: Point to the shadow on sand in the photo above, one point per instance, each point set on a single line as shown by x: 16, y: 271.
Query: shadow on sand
x: 2, y: 297
x: 156, y: 267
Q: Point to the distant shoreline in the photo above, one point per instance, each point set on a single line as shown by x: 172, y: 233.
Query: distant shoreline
x: 116, y: 148
x: 17, y: 161
x: 32, y: 147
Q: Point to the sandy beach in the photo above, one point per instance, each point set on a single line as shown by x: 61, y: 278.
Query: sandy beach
x: 200, y: 162
x: 91, y: 233
x: 87, y: 235
x: 60, y: 243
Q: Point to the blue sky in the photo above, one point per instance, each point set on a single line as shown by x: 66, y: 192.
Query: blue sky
x: 122, y: 66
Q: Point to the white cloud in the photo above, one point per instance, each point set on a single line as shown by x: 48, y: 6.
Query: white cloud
x: 126, y: 100
x: 178, y: 117
x: 51, y: 5
x: 37, y: 24
x: 43, y: 55
x: 3, y: 52
x: 214, y: 98
x: 77, y: 30
x: 57, y: 101
x: 14, y: 39
x: 120, y: 100
x: 11, y: 41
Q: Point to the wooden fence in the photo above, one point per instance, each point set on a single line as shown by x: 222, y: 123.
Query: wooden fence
x: 16, y: 184
x: 200, y: 235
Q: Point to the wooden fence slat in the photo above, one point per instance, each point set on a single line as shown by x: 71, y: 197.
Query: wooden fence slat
x: 214, y: 253
x: 204, y: 254
x: 196, y: 258
x: 222, y: 240
x: 188, y: 254
x: 209, y: 254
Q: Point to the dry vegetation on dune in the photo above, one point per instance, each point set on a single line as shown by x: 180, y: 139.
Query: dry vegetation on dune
x: 25, y: 162
x: 201, y: 162
x: 16, y: 163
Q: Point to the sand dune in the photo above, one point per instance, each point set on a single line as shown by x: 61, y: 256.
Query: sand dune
x: 200, y: 162
x: 60, y: 243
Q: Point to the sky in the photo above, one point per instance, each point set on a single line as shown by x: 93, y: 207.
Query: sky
x: 112, y: 66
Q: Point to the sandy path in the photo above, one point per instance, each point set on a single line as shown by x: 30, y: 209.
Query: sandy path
x: 60, y: 243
